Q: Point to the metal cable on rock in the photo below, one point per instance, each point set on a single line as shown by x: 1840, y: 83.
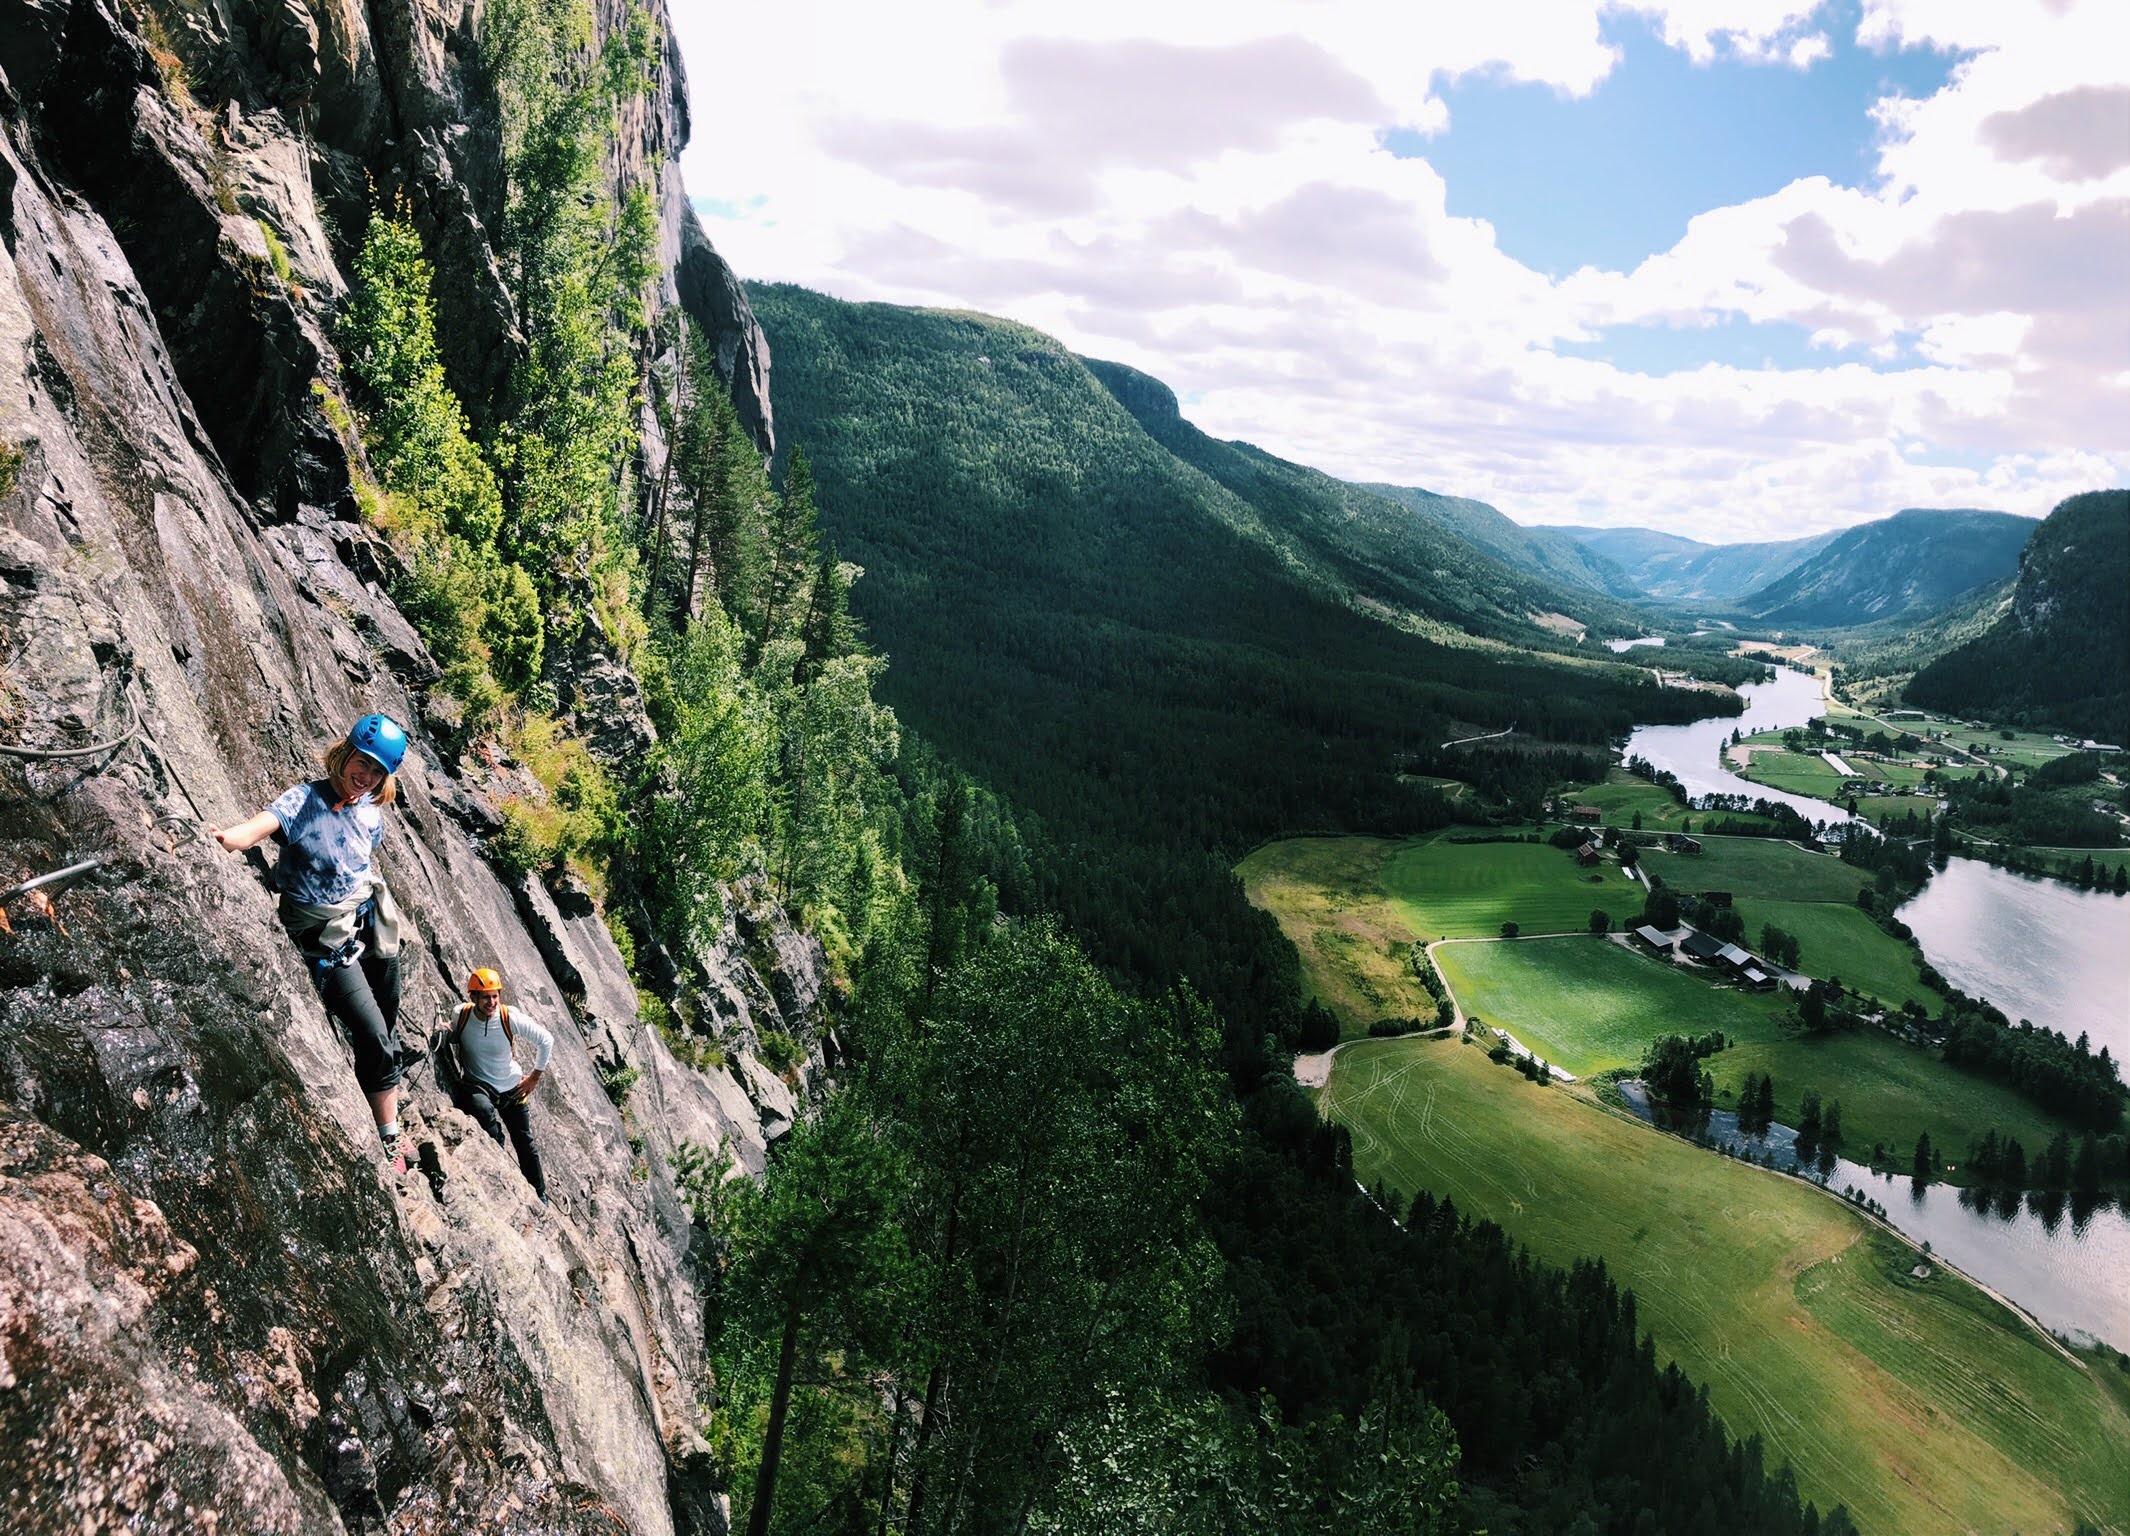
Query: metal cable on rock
x: 56, y: 875
x: 51, y: 754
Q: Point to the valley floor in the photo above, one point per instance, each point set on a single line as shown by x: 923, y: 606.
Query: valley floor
x: 1921, y: 1404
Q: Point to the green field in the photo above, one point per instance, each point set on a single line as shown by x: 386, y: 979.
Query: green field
x: 1443, y: 889
x: 1353, y: 908
x: 1921, y: 1405
x: 1328, y: 897
x: 1840, y: 941
x: 1622, y: 797
x: 1873, y: 807
x: 1890, y: 1093
x: 1588, y: 1004
x: 1797, y: 773
x: 2025, y: 749
x: 1758, y: 866
x: 2068, y: 860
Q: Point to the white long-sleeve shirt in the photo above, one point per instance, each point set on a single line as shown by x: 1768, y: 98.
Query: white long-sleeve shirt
x: 485, y: 1051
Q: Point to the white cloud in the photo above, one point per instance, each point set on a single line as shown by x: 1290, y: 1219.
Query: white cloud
x: 1203, y: 193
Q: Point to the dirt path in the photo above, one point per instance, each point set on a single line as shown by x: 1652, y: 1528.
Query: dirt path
x: 1467, y: 740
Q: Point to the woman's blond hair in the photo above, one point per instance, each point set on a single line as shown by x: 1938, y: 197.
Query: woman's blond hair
x: 336, y: 761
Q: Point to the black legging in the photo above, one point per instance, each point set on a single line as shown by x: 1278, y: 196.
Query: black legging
x: 364, y: 996
x: 494, y: 1111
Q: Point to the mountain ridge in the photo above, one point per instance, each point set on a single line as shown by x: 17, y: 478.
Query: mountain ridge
x: 2061, y: 655
x: 1917, y: 560
x: 1671, y: 566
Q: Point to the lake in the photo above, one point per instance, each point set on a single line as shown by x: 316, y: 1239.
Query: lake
x: 1695, y: 752
x: 2063, y: 1264
x: 2039, y: 949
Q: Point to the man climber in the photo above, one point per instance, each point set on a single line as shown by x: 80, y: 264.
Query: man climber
x: 491, y: 1089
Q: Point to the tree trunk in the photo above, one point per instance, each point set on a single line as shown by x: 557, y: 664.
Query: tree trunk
x: 936, y: 1384
x: 765, y: 1482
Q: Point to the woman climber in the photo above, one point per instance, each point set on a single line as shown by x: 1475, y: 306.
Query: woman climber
x: 335, y: 907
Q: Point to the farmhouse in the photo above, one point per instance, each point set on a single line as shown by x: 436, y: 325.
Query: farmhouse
x: 1681, y: 843
x: 1586, y: 813
x: 1699, y: 946
x: 1586, y: 855
x: 1759, y: 980
x: 1653, y: 938
x: 1734, y: 957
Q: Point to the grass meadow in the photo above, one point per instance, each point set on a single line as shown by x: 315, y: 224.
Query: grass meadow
x: 1758, y: 867
x: 1840, y: 941
x: 1921, y: 1405
x: 1327, y: 895
x: 1622, y: 797
x: 1590, y: 1004
x: 1875, y: 807
x: 1794, y: 772
x: 1444, y: 889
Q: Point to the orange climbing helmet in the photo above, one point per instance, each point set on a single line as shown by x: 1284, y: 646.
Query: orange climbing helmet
x: 484, y: 980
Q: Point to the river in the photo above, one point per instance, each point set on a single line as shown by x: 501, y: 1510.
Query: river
x: 2039, y: 949
x: 1695, y: 752
x: 2063, y: 1264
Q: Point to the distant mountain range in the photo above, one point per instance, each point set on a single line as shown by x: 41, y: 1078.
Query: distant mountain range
x: 1897, y: 568
x: 1909, y: 564
x: 2061, y: 655
x: 1665, y: 565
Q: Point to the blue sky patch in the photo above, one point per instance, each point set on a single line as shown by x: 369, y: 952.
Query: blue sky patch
x: 729, y: 208
x: 1614, y: 177
x: 1661, y: 349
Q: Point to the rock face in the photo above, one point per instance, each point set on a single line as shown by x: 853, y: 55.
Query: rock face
x: 219, y: 1310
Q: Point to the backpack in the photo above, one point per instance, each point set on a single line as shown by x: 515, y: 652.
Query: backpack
x: 460, y: 1019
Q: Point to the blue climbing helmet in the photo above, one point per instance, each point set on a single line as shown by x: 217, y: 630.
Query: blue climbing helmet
x: 379, y: 738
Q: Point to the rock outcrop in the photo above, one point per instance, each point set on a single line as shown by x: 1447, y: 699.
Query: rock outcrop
x: 219, y: 1310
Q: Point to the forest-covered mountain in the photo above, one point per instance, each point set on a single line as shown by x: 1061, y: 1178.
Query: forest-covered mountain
x: 2061, y: 656
x: 1061, y: 593
x: 1547, y: 552
x: 1907, y: 564
x: 1369, y: 546
x: 1668, y: 566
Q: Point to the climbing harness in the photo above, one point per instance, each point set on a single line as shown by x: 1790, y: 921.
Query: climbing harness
x: 350, y: 951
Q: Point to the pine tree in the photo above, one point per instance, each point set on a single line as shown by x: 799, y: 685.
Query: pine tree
x: 1923, y: 1157
x: 1983, y: 1160
x: 2085, y: 1171
x: 792, y: 548
x: 1830, y: 1136
x: 1808, y: 1126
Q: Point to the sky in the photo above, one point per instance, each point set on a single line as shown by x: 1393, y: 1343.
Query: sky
x: 1735, y: 269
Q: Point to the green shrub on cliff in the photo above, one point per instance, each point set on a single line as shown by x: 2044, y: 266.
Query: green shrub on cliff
x: 439, y: 504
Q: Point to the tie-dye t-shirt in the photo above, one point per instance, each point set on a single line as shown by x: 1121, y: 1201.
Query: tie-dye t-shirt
x: 326, y: 853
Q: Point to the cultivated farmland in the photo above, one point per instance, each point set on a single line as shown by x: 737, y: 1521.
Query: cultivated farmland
x: 1921, y: 1405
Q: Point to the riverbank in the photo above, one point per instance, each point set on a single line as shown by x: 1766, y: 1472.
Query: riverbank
x: 1923, y: 1405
